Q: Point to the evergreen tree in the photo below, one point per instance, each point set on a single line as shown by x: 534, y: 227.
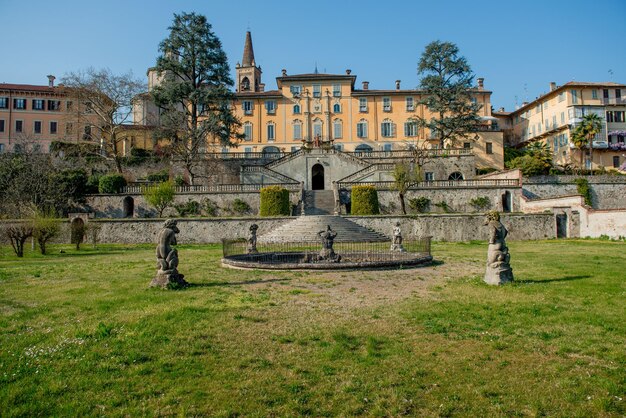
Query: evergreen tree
x: 194, y: 94
x: 446, y: 79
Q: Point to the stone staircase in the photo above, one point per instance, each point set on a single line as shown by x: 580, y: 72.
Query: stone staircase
x: 306, y: 228
x: 319, y: 202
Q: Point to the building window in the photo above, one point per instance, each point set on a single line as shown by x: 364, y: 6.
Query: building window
x: 39, y: 104
x: 296, y: 109
x: 429, y: 176
x: 615, y: 116
x: 616, y: 161
x: 618, y: 93
x: 87, y: 133
x: 361, y: 129
x: 337, y: 90
x: 337, y: 129
x: 1, y: 125
x: 294, y: 148
x: 467, y: 145
x: 317, y: 128
x: 270, y: 131
x: 295, y: 90
x: 69, y: 129
x: 1, y: 147
x: 410, y: 128
x: 317, y: 90
x: 336, y: 108
x: 387, y: 147
x: 297, y: 130
x: 489, y: 148
x: 363, y: 104
x: 19, y: 104
x: 270, y: 106
x: 538, y: 109
x: 37, y: 127
x: 245, y: 84
x: 561, y: 96
x: 456, y: 176
x: 410, y: 105
x: 69, y: 105
x: 4, y: 103
x: 247, y: 131
x: 594, y: 94
x: 574, y: 94
x: 247, y: 106
x: 387, y: 129
x: 247, y: 151
x: 386, y: 104
x: 54, y: 105
x: 19, y: 126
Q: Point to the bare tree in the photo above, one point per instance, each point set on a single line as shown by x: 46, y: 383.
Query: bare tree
x: 102, y: 103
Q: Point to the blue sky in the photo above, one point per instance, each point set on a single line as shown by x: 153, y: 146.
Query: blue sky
x: 517, y: 46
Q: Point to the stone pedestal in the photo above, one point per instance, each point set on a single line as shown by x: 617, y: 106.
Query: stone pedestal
x: 168, y: 279
x: 498, y: 273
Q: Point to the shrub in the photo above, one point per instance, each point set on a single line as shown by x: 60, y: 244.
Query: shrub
x: 111, y: 183
x: 17, y: 234
x: 529, y: 165
x: 443, y: 205
x: 210, y: 207
x: 45, y: 227
x: 240, y: 207
x: 93, y: 183
x: 275, y: 201
x: 480, y: 203
x: 191, y: 207
x: 419, y: 204
x: 179, y: 180
x: 582, y: 186
x: 364, y: 200
x: 159, y: 176
x: 160, y: 196
x: 77, y: 232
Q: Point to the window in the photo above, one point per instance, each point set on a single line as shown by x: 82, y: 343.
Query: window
x: 336, y: 108
x: 618, y: 93
x: 69, y: 105
x: 554, y: 122
x: 561, y: 96
x: 317, y: 90
x: 39, y: 104
x: 467, y: 145
x: 489, y: 148
x: 54, y: 105
x: 616, y: 161
x: 337, y: 90
x: 1, y: 147
x: 337, y: 129
x: 297, y: 130
x: 87, y: 132
x: 361, y: 129
x: 270, y: 131
x: 294, y: 148
x: 295, y: 90
x: 37, y: 127
x: 387, y: 129
x: 594, y: 94
x: 296, y: 109
x: 410, y: 128
x: 247, y: 131
x: 429, y: 176
x: 317, y: 128
x: 245, y: 84
x: 270, y: 106
x: 615, y: 116
x: 338, y: 147
x: 574, y: 94
x: 19, y: 104
x: 19, y: 126
x: 1, y: 125
x: 387, y: 147
x: 386, y: 104
x: 247, y: 151
x: 562, y: 117
x: 455, y: 176
x: 4, y: 103
x: 363, y: 104
x: 410, y: 106
x: 538, y: 109
x: 69, y: 129
x: 247, y: 106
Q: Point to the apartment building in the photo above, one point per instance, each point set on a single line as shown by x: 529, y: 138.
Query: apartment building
x: 552, y: 118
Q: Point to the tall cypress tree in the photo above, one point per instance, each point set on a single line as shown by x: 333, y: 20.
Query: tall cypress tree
x: 194, y: 94
x: 447, y: 79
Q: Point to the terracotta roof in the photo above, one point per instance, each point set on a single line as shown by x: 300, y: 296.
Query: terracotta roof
x: 30, y: 87
x: 267, y: 93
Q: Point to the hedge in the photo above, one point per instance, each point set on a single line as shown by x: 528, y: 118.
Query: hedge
x: 111, y: 183
x: 275, y: 201
x: 364, y: 201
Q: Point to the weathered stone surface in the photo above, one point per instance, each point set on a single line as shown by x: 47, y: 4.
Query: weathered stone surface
x: 498, y: 269
x: 167, y: 258
x: 396, y: 245
x: 168, y: 280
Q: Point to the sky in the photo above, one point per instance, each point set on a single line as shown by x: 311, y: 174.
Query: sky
x: 519, y: 47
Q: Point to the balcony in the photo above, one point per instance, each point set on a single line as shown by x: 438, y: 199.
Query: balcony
x: 614, y: 101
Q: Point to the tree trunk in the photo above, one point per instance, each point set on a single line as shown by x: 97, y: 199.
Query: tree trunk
x: 118, y: 164
x: 402, y: 203
x: 591, y: 156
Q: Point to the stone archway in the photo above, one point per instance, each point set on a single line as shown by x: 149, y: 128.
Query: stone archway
x: 129, y: 207
x: 507, y: 205
x: 317, y: 177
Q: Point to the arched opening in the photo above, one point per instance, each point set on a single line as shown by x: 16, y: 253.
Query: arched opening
x: 506, y: 202
x: 271, y: 150
x: 363, y: 149
x: 317, y: 177
x: 129, y: 207
x: 245, y: 84
x: 455, y: 176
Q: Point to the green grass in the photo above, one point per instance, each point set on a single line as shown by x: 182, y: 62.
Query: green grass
x: 82, y: 334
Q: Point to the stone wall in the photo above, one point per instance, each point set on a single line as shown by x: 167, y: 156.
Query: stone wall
x: 607, y: 192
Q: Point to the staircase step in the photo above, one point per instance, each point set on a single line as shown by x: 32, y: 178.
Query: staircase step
x: 319, y: 202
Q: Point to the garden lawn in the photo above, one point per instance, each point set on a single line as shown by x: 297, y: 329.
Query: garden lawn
x: 82, y: 334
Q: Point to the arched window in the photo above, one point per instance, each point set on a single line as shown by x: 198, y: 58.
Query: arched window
x: 297, y: 130
x: 247, y: 131
x: 271, y: 131
x: 337, y: 129
x: 317, y: 128
x: 337, y: 108
x: 245, y: 84
x: 361, y: 129
x: 296, y: 109
x: 363, y: 148
x: 455, y: 176
x: 387, y: 129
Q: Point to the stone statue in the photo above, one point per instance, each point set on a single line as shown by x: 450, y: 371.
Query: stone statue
x: 498, y: 268
x: 167, y: 258
x: 328, y: 239
x: 252, y: 239
x: 397, y: 239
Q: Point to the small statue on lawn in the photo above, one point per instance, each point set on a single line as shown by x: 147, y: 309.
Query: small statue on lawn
x: 328, y: 239
x: 397, y: 239
x: 252, y: 239
x: 167, y: 258
x: 498, y: 268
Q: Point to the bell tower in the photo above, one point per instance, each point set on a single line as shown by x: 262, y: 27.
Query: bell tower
x: 248, y: 74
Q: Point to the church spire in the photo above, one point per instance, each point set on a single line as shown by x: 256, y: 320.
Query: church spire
x: 248, y: 52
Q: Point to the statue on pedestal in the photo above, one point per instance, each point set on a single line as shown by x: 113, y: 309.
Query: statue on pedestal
x: 397, y: 239
x: 328, y: 239
x: 252, y: 239
x: 167, y: 258
x: 498, y: 270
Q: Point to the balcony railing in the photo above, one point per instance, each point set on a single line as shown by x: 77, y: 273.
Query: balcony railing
x: 614, y: 101
x: 437, y: 184
x: 136, y: 188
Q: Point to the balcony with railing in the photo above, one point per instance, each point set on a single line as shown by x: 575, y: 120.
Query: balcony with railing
x: 614, y: 101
